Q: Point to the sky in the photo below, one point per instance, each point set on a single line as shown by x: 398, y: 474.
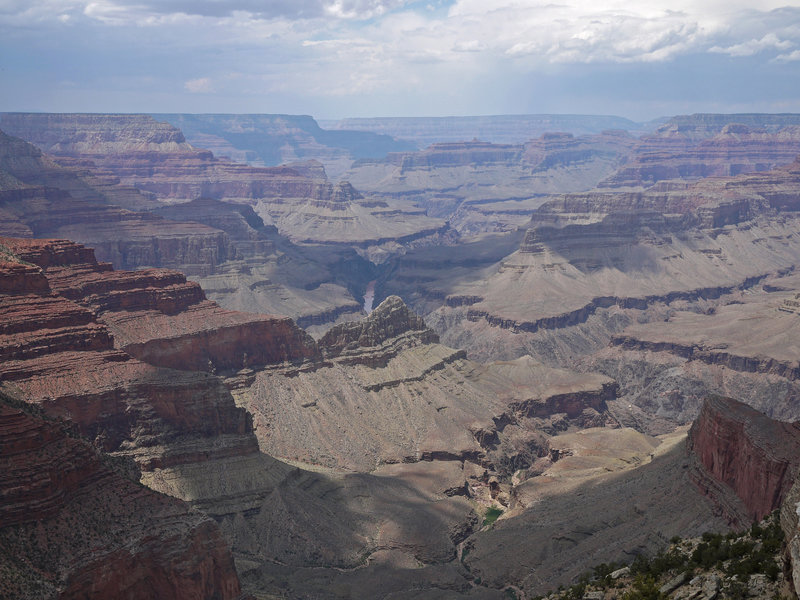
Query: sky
x: 640, y: 59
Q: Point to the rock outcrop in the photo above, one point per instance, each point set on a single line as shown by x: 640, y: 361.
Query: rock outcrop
x: 757, y: 457
x: 710, y: 145
x: 387, y: 392
x: 51, y: 201
x: 391, y: 319
x: 71, y: 527
x: 155, y: 158
x: 483, y: 187
x: 159, y: 317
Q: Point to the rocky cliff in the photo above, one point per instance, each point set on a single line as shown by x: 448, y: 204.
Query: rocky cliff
x: 498, y: 129
x: 159, y: 317
x: 154, y: 158
x: 74, y: 528
x: 587, y: 257
x: 756, y: 456
x: 52, y: 201
x: 480, y: 186
x: 696, y: 149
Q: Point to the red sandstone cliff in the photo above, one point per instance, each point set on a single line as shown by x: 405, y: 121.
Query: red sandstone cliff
x: 40, y: 198
x: 757, y: 457
x: 159, y: 317
x: 71, y: 327
x: 70, y: 527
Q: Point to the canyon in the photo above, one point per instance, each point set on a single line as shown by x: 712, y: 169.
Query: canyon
x: 322, y: 363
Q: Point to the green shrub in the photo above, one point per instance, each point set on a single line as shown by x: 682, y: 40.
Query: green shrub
x: 491, y: 514
x: 644, y: 588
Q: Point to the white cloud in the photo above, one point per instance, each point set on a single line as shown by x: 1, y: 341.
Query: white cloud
x: 202, y: 85
x: 791, y: 57
x: 469, y: 46
x: 751, y: 47
x: 348, y: 48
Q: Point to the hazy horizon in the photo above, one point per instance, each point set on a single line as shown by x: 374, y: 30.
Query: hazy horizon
x: 335, y: 59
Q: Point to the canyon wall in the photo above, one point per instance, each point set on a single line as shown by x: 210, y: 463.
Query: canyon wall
x: 756, y: 456
x: 72, y: 527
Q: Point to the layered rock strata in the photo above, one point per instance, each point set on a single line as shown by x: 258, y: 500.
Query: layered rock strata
x: 498, y: 129
x: 155, y: 158
x: 267, y: 140
x: 42, y: 199
x: 746, y: 348
x: 482, y: 187
x: 189, y: 440
x: 74, y: 528
x: 273, y: 275
x: 160, y: 318
x: 720, y: 145
x: 388, y: 392
x: 588, y: 258
x: 433, y: 427
x: 756, y: 456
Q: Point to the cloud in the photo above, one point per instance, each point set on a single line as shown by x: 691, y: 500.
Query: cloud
x: 199, y: 86
x: 370, y: 50
x: 469, y: 46
x: 791, y: 57
x: 258, y: 9
x: 751, y: 47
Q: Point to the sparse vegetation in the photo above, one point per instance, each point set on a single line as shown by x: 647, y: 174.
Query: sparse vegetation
x: 734, y: 557
x: 491, y: 515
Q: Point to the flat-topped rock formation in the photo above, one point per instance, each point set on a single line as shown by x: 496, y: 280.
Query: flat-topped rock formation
x: 269, y: 140
x: 155, y: 158
x: 757, y: 457
x: 498, y: 129
x: 481, y: 186
x: 47, y: 200
x: 161, y: 318
x: 695, y: 148
x: 71, y: 527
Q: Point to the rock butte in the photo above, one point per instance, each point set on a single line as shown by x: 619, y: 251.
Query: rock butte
x: 155, y: 158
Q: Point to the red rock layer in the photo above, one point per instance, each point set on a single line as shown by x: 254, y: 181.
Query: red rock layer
x: 154, y: 157
x: 17, y: 278
x: 160, y: 318
x: 40, y: 198
x: 72, y: 528
x: 56, y: 352
x: 756, y: 456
